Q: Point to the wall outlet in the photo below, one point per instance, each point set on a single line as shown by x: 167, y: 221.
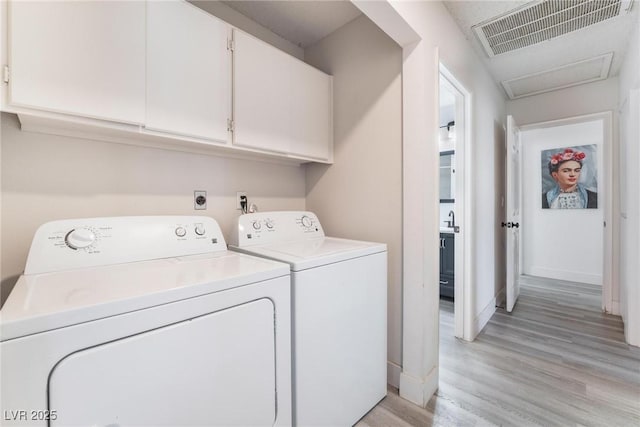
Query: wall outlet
x: 199, y: 200
x: 239, y: 195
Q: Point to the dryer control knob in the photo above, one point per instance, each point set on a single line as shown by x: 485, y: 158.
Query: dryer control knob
x: 199, y: 229
x: 181, y: 232
x: 306, y: 221
x: 269, y: 224
x: 80, y: 238
x: 256, y: 225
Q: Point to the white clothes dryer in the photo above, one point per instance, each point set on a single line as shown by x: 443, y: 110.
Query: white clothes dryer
x: 339, y: 303
x: 145, y: 321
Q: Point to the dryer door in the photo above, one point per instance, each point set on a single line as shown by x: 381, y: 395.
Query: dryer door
x: 216, y: 369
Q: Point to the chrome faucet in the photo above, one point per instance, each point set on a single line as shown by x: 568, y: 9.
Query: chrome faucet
x: 452, y: 222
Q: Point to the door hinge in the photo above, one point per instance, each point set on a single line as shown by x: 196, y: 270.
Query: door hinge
x: 5, y: 74
x: 231, y: 125
x: 231, y: 45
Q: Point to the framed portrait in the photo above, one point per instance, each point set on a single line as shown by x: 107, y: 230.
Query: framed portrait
x: 569, y: 177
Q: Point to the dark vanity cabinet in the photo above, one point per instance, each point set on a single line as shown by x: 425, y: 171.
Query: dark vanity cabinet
x: 447, y: 265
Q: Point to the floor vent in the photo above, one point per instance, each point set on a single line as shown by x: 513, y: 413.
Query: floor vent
x: 577, y: 73
x: 543, y: 20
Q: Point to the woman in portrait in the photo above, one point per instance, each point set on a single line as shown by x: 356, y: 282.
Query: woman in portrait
x: 565, y: 168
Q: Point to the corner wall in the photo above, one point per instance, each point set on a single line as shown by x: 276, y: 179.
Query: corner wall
x: 360, y: 195
x: 629, y: 105
x: 47, y: 177
x: 423, y: 29
x: 438, y: 30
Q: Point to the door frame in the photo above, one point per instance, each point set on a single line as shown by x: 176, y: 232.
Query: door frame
x: 462, y: 275
x: 609, y: 271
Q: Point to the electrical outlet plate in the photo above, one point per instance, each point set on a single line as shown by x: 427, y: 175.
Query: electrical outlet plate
x: 238, y: 195
x: 199, y: 200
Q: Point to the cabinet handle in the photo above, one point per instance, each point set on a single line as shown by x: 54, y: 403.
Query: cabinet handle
x: 444, y: 282
x: 444, y: 244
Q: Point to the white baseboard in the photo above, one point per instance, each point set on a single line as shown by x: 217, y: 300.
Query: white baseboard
x: 571, y: 276
x: 615, y: 308
x: 501, y: 298
x: 418, y: 391
x: 481, y: 319
x: 393, y: 374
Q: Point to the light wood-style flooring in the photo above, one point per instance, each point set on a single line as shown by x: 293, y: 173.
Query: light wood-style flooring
x: 556, y: 360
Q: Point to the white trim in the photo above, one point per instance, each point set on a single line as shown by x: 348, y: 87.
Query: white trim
x: 463, y: 260
x: 608, y: 267
x: 604, y: 73
x: 501, y: 298
x: 393, y: 374
x: 483, y: 318
x: 419, y: 391
x: 571, y: 276
x: 615, y: 308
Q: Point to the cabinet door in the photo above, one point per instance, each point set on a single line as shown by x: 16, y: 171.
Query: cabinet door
x: 79, y: 57
x: 188, y: 71
x: 448, y: 256
x: 281, y: 104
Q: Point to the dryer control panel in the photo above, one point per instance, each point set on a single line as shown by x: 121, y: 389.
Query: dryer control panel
x: 90, y: 242
x: 274, y: 227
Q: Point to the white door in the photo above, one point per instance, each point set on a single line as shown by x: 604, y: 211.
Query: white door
x: 513, y: 212
x: 188, y: 71
x: 280, y: 104
x: 214, y: 370
x: 79, y: 57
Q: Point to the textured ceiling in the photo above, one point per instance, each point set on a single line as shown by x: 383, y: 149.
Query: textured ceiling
x: 608, y: 36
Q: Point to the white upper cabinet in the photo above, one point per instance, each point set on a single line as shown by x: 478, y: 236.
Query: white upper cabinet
x: 79, y: 57
x: 281, y: 104
x: 188, y: 71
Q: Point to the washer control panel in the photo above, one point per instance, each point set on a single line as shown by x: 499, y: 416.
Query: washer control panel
x: 68, y: 244
x: 273, y: 227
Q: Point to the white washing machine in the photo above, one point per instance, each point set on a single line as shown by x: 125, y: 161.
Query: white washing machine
x: 145, y: 321
x: 339, y: 302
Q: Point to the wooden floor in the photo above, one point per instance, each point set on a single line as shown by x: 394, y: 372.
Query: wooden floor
x: 556, y: 360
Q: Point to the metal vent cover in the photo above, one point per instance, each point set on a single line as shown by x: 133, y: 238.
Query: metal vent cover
x: 544, y: 20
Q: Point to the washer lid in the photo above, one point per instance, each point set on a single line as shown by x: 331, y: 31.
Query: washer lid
x: 42, y: 302
x: 305, y: 254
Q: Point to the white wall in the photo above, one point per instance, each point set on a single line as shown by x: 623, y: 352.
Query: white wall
x: 360, y: 195
x: 630, y: 190
x: 560, y: 244
x: 574, y: 101
x: 238, y: 20
x: 45, y: 178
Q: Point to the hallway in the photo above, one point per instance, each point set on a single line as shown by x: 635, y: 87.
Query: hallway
x: 556, y: 360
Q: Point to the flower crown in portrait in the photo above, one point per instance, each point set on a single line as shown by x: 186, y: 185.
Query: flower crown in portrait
x: 566, y: 155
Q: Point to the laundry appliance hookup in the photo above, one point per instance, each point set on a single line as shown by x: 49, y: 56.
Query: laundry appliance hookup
x: 199, y: 200
x: 241, y: 200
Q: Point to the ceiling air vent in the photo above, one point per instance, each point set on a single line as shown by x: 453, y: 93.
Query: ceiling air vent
x: 543, y: 20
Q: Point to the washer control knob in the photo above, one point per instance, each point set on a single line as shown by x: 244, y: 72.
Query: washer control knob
x: 200, y: 229
x: 256, y: 225
x: 269, y: 224
x: 80, y: 238
x: 181, y: 232
x: 306, y: 221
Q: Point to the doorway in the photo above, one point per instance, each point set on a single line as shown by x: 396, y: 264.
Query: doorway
x: 566, y: 233
x: 453, y: 141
